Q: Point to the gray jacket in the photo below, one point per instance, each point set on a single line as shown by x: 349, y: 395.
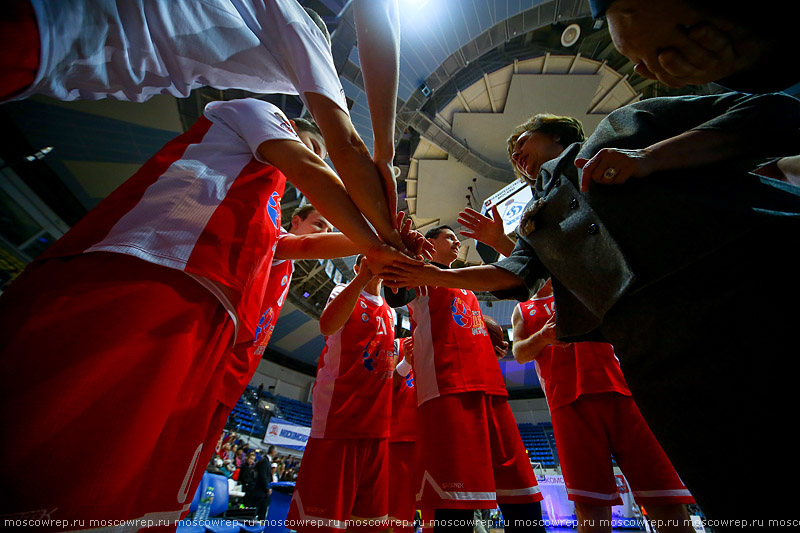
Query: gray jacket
x: 611, y: 241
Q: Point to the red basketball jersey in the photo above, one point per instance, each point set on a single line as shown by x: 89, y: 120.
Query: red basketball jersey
x: 277, y: 289
x: 404, y: 400
x: 580, y: 368
x: 206, y: 203
x: 452, y: 349
x: 353, y: 392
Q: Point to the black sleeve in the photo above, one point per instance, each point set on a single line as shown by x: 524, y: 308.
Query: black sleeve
x: 524, y: 263
x: 399, y: 299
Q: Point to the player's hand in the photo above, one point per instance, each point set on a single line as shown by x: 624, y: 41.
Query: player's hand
x: 400, y: 275
x: 500, y: 351
x: 389, y: 180
x: 614, y: 166
x: 382, y: 256
x: 549, y: 334
x: 365, y: 269
x: 414, y: 241
x: 482, y: 228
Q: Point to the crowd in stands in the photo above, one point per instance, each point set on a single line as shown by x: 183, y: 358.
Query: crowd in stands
x: 231, y: 454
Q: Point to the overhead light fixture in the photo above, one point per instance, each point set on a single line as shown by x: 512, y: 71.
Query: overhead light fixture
x: 40, y: 154
x: 570, y: 35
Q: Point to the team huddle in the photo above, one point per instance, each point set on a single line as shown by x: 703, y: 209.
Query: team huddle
x: 158, y: 305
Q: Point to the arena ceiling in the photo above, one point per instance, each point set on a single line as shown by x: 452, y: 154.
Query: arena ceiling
x: 470, y: 71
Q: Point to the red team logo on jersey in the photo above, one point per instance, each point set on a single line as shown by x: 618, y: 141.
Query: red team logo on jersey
x: 371, y: 353
x: 462, y: 315
x: 373, y: 357
x: 377, y: 360
x: 466, y: 317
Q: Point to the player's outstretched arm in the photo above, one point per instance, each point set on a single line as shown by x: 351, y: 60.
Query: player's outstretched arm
x: 316, y: 246
x: 312, y: 176
x: 477, y: 278
x: 355, y: 166
x: 378, y: 31
x: 339, y: 309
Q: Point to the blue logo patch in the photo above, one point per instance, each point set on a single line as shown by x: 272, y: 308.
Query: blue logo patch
x: 274, y: 209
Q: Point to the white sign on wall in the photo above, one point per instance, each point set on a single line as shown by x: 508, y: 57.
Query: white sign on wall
x: 289, y: 435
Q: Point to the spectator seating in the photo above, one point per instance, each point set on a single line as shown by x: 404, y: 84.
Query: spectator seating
x: 540, y: 443
x: 246, y: 418
x: 294, y: 410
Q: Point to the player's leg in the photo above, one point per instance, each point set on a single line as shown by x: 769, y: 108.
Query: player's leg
x: 326, y: 487
x: 652, y: 478
x: 515, y: 483
x: 454, y: 453
x: 670, y: 518
x: 593, y: 518
x: 402, y: 485
x: 370, y: 510
x: 584, y: 450
x: 454, y: 456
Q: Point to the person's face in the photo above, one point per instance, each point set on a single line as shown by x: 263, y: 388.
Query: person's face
x: 314, y: 142
x: 641, y: 30
x: 531, y: 151
x: 446, y: 246
x: 251, y: 460
x: 313, y: 223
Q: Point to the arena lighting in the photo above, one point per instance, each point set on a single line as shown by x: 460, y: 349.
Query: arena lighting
x: 306, y: 294
x: 40, y: 154
x: 570, y: 35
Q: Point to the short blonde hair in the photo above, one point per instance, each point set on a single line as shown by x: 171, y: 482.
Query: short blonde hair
x: 565, y: 130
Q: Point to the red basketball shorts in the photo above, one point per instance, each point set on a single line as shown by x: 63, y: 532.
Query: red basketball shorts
x: 471, y: 455
x: 342, y: 484
x: 403, y: 485
x: 110, y: 369
x: 595, y: 426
